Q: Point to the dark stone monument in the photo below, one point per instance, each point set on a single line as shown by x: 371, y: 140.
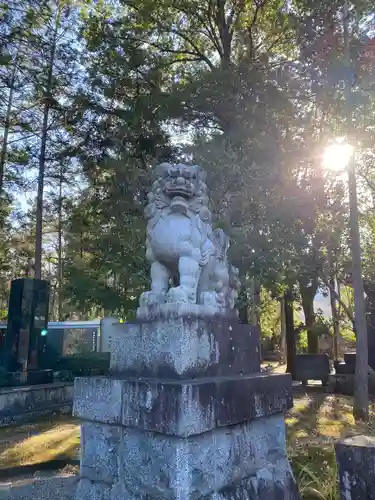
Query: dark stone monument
x: 356, y: 464
x: 27, y: 318
x: 313, y: 367
x: 349, y: 358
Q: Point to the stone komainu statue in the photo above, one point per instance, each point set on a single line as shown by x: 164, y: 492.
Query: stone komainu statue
x: 189, y: 261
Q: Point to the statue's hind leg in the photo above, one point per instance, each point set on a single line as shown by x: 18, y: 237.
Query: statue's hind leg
x: 159, y: 285
x: 159, y: 279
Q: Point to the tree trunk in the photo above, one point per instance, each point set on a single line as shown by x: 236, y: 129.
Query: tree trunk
x: 4, y: 148
x: 290, y: 334
x: 308, y: 295
x: 42, y: 160
x: 255, y: 303
x: 81, y: 235
x: 334, y: 306
x: 335, y: 321
x: 224, y: 32
x: 361, y: 400
x: 283, y: 350
x: 59, y: 252
x: 243, y: 310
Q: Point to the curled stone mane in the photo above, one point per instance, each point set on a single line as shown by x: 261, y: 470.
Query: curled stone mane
x: 165, y: 175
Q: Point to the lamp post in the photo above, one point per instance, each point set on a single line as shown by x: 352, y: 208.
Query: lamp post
x: 360, y: 409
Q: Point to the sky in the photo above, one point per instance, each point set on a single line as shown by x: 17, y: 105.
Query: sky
x: 322, y: 303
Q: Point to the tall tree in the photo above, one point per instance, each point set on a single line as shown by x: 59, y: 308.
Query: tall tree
x: 116, y: 126
x: 52, y: 72
x: 16, y: 23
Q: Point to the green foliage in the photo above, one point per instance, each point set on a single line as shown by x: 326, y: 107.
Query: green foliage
x: 270, y: 317
x: 116, y: 118
x: 302, y: 344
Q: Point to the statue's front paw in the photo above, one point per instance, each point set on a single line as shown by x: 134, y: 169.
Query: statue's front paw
x: 149, y: 299
x: 208, y: 298
x: 179, y: 294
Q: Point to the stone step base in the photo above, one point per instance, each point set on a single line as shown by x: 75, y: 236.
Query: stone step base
x: 181, y: 407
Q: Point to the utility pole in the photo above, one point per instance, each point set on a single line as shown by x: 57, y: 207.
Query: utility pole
x: 360, y: 409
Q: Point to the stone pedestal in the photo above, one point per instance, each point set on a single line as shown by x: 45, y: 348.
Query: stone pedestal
x: 356, y: 464
x: 185, y: 414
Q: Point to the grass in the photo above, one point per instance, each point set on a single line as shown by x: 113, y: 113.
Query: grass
x: 314, y: 424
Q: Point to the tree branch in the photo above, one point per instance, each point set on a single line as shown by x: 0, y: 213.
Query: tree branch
x: 213, y: 31
x: 198, y: 52
x: 211, y: 35
x: 180, y: 34
x: 369, y: 183
x: 164, y: 49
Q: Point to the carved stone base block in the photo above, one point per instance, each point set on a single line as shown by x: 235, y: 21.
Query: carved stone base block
x: 243, y: 461
x: 185, y: 423
x: 183, y: 346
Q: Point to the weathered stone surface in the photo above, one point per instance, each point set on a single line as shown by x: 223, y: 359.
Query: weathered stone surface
x: 89, y: 490
x: 184, y: 347
x: 184, y: 407
x: 173, y: 310
x: 98, y: 399
x: 356, y: 462
x: 196, y: 466
x: 209, y: 465
x: 100, y: 447
x: 273, y: 483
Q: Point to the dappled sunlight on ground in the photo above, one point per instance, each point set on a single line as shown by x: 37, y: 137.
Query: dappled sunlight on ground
x: 325, y: 418
x: 314, y: 424
x: 49, y: 443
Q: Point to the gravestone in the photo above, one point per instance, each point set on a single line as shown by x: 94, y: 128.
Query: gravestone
x: 312, y: 367
x: 356, y: 466
x: 24, y: 344
x: 185, y: 412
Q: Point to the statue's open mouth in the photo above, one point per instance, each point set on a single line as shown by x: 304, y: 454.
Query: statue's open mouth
x: 179, y: 204
x: 186, y: 191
